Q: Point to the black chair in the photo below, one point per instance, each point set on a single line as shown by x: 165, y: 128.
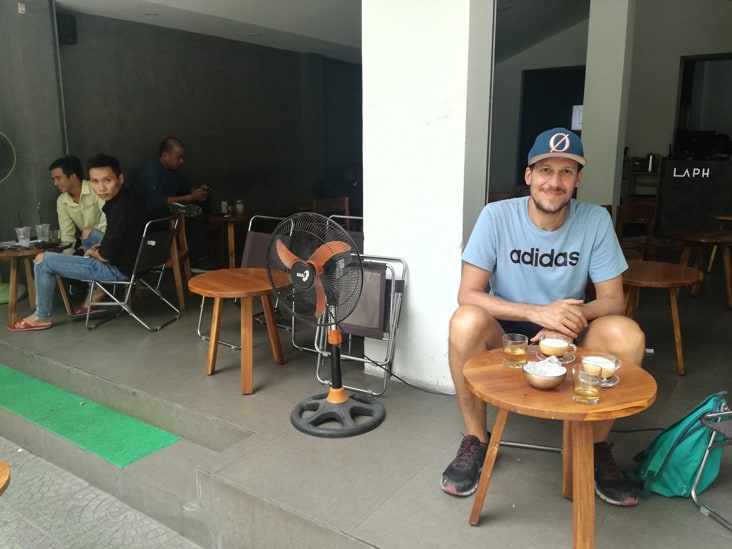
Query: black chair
x: 152, y: 256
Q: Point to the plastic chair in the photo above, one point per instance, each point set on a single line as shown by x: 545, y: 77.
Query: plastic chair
x: 152, y: 256
x: 721, y: 435
x: 376, y: 317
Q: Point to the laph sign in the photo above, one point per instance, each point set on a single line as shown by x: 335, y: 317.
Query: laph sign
x: 692, y: 173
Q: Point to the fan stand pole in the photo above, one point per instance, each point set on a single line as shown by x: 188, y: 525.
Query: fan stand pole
x: 336, y: 414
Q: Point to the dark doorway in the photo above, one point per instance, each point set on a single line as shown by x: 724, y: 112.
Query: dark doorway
x: 547, y: 97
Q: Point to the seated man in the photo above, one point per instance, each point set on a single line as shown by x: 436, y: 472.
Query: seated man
x: 79, y: 209
x: 525, y: 268
x: 111, y: 259
x: 166, y: 190
x: 162, y: 184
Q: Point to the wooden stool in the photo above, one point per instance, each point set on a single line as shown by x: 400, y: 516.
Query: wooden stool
x: 244, y: 284
x: 657, y: 274
x: 701, y: 238
x: 180, y: 261
x: 4, y: 476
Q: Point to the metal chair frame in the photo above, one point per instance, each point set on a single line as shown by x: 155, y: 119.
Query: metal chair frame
x: 152, y: 256
x: 396, y: 274
x: 720, y: 425
x: 249, y: 259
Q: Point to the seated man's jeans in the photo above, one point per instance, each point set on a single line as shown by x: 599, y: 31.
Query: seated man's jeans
x: 94, y: 238
x: 68, y: 266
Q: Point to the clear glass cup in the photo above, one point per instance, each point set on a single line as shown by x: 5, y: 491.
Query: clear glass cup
x: 23, y: 235
x: 42, y: 231
x: 514, y: 350
x: 587, y: 375
x: 557, y: 346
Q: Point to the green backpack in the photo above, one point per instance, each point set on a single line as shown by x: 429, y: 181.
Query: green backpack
x: 670, y: 463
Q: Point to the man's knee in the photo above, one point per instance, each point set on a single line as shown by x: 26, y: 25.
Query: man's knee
x: 470, y: 324
x: 617, y: 334
x: 39, y: 257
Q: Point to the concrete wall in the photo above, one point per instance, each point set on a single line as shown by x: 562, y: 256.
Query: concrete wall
x: 252, y: 118
x: 666, y: 30
x: 30, y: 112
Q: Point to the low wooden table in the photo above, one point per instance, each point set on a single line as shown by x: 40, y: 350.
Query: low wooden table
x: 244, y: 284
x: 722, y: 218
x: 704, y: 237
x: 658, y: 274
x: 506, y: 388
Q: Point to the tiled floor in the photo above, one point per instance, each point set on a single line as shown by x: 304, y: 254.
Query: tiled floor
x: 244, y: 477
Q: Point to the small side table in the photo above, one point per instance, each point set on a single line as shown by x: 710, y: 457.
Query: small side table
x: 722, y: 218
x: 658, y: 274
x: 231, y: 221
x: 506, y: 388
x: 244, y: 284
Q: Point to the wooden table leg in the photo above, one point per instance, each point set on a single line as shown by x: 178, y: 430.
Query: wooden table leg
x: 583, y: 473
x: 13, y: 291
x: 673, y: 294
x: 567, y: 477
x: 727, y: 273
x: 631, y: 300
x: 30, y: 282
x: 213, y: 342
x: 274, y: 335
x: 64, y: 295
x: 247, y: 343
x: 230, y: 238
x: 490, y: 461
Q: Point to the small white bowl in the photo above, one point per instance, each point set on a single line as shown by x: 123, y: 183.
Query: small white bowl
x: 539, y: 379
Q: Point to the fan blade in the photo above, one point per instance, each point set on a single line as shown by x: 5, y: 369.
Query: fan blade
x: 285, y: 255
x: 319, y: 298
x: 325, y: 252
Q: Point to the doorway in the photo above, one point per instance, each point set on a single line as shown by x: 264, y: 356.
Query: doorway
x: 547, y: 98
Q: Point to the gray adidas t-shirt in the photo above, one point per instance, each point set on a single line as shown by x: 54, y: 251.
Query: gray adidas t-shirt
x: 530, y: 265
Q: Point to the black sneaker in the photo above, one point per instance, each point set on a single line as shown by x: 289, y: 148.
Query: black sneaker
x: 188, y: 210
x: 461, y: 476
x: 610, y: 484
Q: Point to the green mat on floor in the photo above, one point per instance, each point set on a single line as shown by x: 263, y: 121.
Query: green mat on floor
x: 113, y: 436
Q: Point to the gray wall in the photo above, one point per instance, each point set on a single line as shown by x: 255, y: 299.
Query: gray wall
x: 30, y: 113
x: 251, y: 117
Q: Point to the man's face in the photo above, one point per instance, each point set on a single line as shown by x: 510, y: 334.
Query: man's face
x: 173, y: 159
x: 64, y: 183
x: 552, y: 183
x: 105, y: 183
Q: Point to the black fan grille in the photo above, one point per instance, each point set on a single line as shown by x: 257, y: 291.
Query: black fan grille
x: 342, y: 276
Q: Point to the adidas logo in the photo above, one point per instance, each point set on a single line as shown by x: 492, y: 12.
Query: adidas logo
x: 551, y: 258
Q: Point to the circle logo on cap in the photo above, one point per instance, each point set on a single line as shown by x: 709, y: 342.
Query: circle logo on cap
x: 559, y: 142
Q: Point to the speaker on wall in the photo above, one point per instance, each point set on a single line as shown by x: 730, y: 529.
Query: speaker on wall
x: 66, y: 25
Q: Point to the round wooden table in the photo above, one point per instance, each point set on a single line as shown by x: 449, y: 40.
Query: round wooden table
x: 231, y: 221
x: 4, y: 476
x: 658, y: 274
x: 14, y: 257
x: 244, y: 284
x: 704, y: 237
x: 506, y: 389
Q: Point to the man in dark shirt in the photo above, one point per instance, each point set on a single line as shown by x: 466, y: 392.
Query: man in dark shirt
x: 112, y: 257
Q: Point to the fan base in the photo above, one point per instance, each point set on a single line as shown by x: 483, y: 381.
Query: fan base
x: 318, y: 417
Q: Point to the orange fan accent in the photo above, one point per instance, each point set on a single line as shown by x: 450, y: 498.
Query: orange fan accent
x: 317, y: 259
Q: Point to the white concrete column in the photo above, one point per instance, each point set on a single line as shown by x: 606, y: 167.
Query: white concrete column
x: 607, y: 84
x: 426, y: 67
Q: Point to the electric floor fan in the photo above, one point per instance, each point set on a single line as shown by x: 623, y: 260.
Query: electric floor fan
x: 316, y: 273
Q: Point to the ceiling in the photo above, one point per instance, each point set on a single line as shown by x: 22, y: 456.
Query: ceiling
x: 331, y: 28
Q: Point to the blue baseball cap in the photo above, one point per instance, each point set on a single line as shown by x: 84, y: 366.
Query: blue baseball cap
x: 557, y: 143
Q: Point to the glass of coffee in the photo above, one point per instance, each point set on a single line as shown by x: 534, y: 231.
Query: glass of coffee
x: 557, y: 346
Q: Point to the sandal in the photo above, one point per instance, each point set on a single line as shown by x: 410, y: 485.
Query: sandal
x: 24, y: 326
x: 81, y: 311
